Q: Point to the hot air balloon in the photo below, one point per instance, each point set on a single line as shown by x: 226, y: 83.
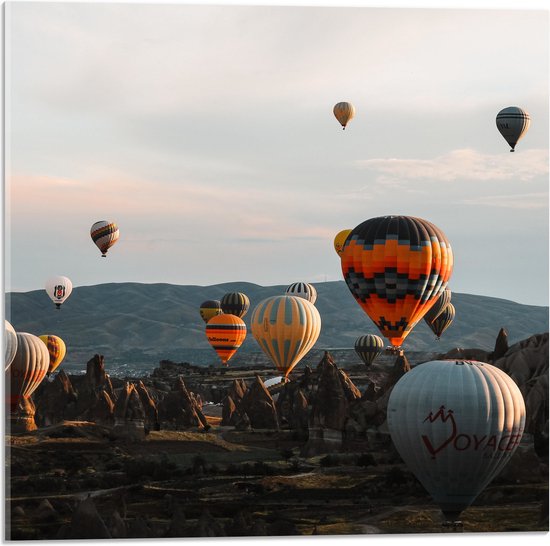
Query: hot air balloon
x: 226, y: 334
x: 56, y: 349
x: 59, y: 289
x: 27, y: 369
x: 369, y: 347
x: 344, y: 112
x: 340, y: 239
x: 286, y: 328
x: 209, y: 309
x: 443, y: 321
x: 10, y: 344
x: 235, y: 303
x: 303, y: 290
x: 435, y: 310
x: 455, y: 423
x: 396, y: 267
x: 513, y: 122
x: 104, y: 234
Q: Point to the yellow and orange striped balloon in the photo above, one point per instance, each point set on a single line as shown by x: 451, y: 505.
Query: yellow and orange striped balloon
x: 28, y: 368
x: 56, y: 348
x: 226, y: 334
x: 286, y: 328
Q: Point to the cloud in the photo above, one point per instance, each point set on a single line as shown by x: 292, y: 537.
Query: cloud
x: 459, y: 165
x: 523, y: 201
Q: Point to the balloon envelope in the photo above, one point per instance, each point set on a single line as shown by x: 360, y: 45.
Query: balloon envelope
x: 235, y: 303
x: 443, y: 321
x: 104, y: 234
x: 340, y: 239
x: 27, y: 369
x: 344, y: 112
x: 369, y: 347
x: 396, y: 267
x: 303, y: 290
x: 455, y: 423
x: 435, y: 310
x: 512, y: 123
x: 226, y: 334
x: 286, y: 328
x: 59, y: 289
x: 209, y: 309
x: 56, y: 349
x: 10, y: 344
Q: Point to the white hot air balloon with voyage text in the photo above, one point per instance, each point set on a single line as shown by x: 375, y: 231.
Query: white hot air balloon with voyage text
x: 455, y: 423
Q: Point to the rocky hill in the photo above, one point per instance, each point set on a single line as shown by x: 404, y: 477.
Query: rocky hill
x: 136, y: 324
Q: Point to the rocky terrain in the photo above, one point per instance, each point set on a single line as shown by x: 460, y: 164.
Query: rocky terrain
x: 206, y: 452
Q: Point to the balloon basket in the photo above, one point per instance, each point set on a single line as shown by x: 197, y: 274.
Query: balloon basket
x: 395, y: 351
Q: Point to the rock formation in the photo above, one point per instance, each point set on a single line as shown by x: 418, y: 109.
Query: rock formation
x: 102, y: 409
x: 526, y: 363
x: 501, y: 346
x: 258, y: 404
x: 230, y: 415
x: 129, y: 415
x: 292, y: 407
x: 57, y: 401
x: 179, y: 409
x: 86, y: 523
x: 459, y: 353
x: 330, y: 409
x: 149, y: 407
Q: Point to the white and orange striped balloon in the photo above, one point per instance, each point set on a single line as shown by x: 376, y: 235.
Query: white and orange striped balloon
x: 104, y: 234
x: 28, y: 368
x: 286, y: 328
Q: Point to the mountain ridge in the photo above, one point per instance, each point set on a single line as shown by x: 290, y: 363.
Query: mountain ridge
x: 146, y: 322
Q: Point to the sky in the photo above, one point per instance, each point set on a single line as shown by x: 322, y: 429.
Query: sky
x: 206, y: 132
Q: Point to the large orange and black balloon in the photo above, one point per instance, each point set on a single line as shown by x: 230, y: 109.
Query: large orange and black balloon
x: 226, y: 334
x: 396, y: 267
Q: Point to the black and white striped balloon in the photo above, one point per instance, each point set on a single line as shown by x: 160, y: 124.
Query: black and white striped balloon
x: 303, y: 290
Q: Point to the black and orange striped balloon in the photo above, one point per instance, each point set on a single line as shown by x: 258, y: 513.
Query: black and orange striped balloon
x: 396, y: 267
x: 226, y: 334
x: 235, y: 303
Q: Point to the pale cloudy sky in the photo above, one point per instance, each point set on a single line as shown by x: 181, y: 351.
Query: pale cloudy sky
x: 206, y: 132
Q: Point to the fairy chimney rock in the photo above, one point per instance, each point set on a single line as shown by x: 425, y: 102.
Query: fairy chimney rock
x: 129, y: 415
x: 330, y: 410
x: 259, y: 406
